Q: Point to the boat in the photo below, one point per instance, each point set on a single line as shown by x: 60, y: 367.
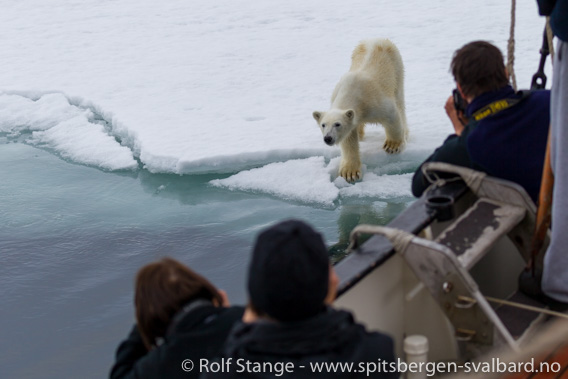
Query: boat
x: 447, y: 269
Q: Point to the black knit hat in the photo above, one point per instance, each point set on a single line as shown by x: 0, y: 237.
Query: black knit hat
x: 289, y: 272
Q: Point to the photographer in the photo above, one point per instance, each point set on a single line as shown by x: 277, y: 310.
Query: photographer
x: 290, y: 327
x: 179, y: 315
x: 497, y: 131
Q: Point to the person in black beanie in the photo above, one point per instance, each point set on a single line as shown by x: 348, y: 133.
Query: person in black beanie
x: 289, y: 329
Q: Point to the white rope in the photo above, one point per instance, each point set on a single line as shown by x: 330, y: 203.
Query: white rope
x: 550, y: 36
x: 511, y: 48
x: 472, y: 178
x: 526, y: 307
x: 398, y: 238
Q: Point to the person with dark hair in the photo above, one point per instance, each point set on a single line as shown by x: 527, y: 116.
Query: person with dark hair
x: 498, y: 131
x: 180, y: 315
x: 289, y: 326
x: 555, y: 274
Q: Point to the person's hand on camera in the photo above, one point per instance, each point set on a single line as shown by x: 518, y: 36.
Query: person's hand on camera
x: 456, y: 117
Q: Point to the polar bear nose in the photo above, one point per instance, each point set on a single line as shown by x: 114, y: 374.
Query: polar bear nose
x: 328, y: 140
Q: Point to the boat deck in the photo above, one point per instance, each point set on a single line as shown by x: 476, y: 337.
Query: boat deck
x: 518, y: 320
x: 555, y: 359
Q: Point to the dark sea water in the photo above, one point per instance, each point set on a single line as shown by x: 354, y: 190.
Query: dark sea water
x: 73, y: 237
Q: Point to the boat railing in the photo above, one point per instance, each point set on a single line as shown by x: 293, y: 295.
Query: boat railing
x: 449, y: 184
x: 460, y: 218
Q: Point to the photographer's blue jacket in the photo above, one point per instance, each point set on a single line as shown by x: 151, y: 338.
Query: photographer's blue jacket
x: 510, y: 144
x: 558, y: 12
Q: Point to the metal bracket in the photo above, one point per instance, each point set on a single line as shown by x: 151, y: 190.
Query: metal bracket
x: 449, y: 283
x: 463, y: 311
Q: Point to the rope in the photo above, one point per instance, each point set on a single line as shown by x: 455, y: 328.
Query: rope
x: 527, y: 307
x: 550, y: 36
x: 398, y: 238
x: 472, y: 178
x: 511, y: 48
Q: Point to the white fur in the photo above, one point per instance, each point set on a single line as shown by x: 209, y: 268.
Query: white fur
x: 371, y: 92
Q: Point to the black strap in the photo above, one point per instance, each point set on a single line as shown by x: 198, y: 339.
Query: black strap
x: 500, y: 105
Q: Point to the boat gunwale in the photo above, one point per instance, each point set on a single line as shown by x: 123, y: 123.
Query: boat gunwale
x: 377, y: 249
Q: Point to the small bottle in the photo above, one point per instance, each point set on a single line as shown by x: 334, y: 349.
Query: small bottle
x: 416, y: 350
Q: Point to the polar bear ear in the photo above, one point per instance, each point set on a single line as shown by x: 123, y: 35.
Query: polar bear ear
x: 317, y: 115
x: 350, y: 114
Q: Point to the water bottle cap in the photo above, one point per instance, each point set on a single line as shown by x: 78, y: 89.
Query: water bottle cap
x: 416, y: 344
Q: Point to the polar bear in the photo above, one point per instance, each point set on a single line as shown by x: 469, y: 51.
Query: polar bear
x: 371, y: 92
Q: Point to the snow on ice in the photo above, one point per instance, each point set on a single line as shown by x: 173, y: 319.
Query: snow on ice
x: 229, y: 86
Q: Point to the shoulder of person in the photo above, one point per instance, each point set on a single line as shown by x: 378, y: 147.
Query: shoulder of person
x: 230, y: 315
x: 541, y: 94
x: 545, y: 7
x: 210, y: 319
x: 374, y: 345
x: 226, y: 318
x: 372, y: 336
x: 234, y: 310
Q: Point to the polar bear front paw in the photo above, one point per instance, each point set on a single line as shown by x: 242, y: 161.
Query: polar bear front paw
x: 351, y: 172
x: 392, y: 147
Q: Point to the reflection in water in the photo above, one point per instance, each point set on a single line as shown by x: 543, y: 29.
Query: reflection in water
x: 351, y: 215
x: 73, y: 238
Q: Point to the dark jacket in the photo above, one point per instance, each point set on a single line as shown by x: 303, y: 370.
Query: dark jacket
x: 198, y: 334
x: 331, y: 337
x: 558, y: 12
x: 510, y: 144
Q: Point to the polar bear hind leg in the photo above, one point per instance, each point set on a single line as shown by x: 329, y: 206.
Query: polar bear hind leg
x: 394, y: 122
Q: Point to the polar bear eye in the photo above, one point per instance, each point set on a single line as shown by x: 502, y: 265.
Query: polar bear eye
x: 323, y: 125
x: 337, y: 124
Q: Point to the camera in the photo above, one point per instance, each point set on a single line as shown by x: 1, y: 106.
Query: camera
x: 459, y: 102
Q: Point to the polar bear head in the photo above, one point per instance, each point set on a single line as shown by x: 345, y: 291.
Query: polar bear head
x: 335, y: 124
